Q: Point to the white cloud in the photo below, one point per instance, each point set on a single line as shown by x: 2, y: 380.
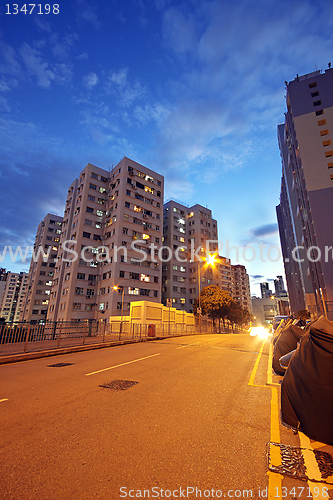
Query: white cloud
x: 10, y: 64
x: 126, y: 91
x: 90, y: 80
x: 35, y: 66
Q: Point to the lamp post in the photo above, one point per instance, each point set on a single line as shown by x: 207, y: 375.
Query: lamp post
x: 122, y: 307
x: 209, y: 262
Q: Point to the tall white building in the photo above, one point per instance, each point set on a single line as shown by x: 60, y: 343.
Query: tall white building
x: 305, y: 213
x: 41, y: 270
x: 111, y: 234
x: 186, y: 230
x: 13, y: 296
x: 241, y: 292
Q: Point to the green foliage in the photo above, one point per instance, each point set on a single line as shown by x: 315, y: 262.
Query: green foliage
x: 238, y: 315
x: 218, y: 303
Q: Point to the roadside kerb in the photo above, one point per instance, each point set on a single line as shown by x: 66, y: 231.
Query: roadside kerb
x: 15, y: 358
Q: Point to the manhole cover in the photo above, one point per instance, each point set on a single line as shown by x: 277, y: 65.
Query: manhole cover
x: 119, y: 385
x: 60, y: 365
x: 292, y: 462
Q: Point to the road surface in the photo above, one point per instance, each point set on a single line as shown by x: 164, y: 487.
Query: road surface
x: 195, y: 424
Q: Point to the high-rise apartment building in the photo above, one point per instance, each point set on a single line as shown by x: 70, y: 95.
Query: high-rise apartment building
x: 3, y: 279
x: 186, y: 231
x: 241, y: 292
x: 111, y: 235
x: 265, y: 290
x: 279, y: 285
x: 226, y: 274
x: 13, y: 296
x: 42, y: 269
x: 305, y: 213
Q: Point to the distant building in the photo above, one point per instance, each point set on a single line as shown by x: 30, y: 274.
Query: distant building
x: 186, y: 228
x: 13, y: 296
x: 241, y: 287
x: 41, y: 272
x: 3, y: 279
x: 305, y: 215
x: 279, y: 285
x: 265, y: 291
x: 264, y: 310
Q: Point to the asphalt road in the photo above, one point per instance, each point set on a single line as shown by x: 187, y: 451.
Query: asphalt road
x: 191, y: 422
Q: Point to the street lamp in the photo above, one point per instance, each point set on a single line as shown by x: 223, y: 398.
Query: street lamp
x: 122, y: 306
x: 210, y: 261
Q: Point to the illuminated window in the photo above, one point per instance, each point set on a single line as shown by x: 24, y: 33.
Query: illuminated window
x: 145, y: 236
x: 144, y: 277
x: 149, y: 190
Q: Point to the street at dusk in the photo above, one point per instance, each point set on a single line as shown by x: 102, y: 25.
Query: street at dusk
x: 199, y: 416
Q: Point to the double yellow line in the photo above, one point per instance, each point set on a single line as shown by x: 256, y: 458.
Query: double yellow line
x: 274, y: 479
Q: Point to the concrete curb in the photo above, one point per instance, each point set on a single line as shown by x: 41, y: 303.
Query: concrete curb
x: 15, y: 358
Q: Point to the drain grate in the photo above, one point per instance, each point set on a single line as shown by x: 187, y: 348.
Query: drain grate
x: 325, y: 463
x: 119, y: 385
x: 292, y: 462
x: 60, y: 365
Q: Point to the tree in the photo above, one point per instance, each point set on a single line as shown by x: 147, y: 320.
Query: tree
x: 304, y: 314
x: 238, y: 315
x: 214, y: 302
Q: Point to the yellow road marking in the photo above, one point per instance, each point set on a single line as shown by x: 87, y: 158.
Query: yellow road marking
x: 122, y: 364
x: 5, y: 399
x: 255, y: 368
x: 274, y: 479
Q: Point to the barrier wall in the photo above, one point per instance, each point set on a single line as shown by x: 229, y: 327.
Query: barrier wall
x: 145, y: 312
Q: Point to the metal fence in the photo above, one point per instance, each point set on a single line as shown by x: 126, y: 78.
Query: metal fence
x: 17, y: 338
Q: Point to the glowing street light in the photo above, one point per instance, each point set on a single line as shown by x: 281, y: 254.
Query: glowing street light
x: 122, y: 306
x: 210, y: 261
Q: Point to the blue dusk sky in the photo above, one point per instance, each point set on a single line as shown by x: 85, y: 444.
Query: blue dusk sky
x: 194, y: 90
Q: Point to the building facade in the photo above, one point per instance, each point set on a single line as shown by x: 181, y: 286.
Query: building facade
x: 186, y: 233
x: 41, y: 272
x: 264, y: 311
x: 241, y: 292
x: 265, y: 290
x: 305, y: 213
x: 111, y: 235
x: 13, y: 296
